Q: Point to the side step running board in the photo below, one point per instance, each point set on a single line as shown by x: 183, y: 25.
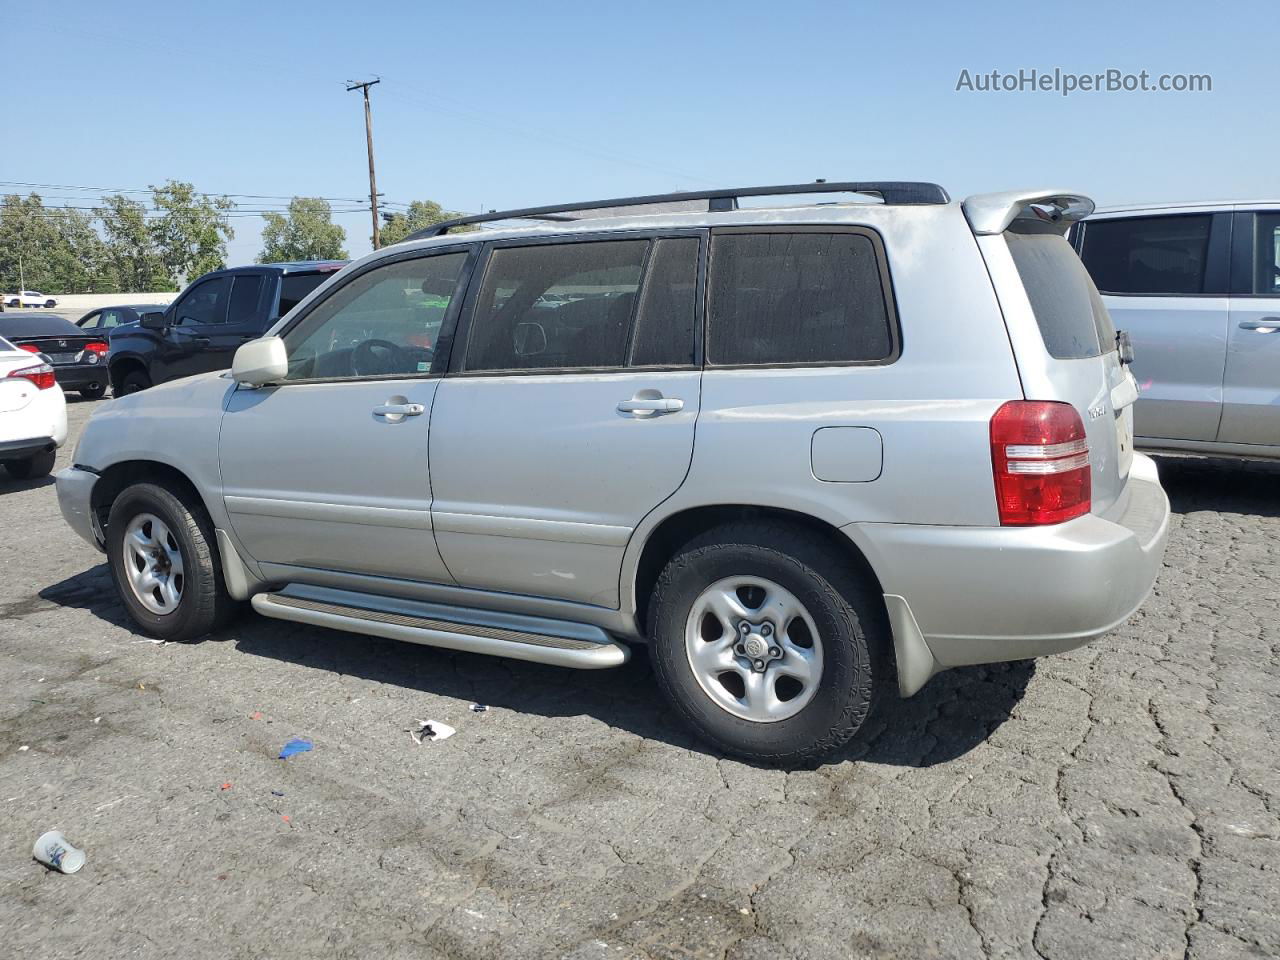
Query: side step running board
x: 557, y: 642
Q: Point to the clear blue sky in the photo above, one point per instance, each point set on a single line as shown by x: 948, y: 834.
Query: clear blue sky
x: 508, y: 104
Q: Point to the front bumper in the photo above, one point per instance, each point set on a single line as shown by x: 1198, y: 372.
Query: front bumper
x: 965, y: 595
x: 75, y: 492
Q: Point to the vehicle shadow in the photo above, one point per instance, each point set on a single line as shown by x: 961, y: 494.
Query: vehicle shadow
x: 1229, y: 486
x: 10, y: 484
x: 954, y: 713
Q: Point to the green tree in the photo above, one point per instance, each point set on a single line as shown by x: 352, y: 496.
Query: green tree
x: 307, y: 233
x: 131, y: 253
x: 79, y: 260
x: 27, y: 236
x: 421, y: 214
x: 191, y: 230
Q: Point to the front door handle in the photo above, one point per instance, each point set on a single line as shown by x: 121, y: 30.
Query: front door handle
x: 1265, y: 325
x: 398, y: 411
x: 655, y: 405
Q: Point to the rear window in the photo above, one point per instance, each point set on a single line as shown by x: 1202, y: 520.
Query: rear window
x: 1073, y: 320
x: 295, y: 286
x: 782, y: 297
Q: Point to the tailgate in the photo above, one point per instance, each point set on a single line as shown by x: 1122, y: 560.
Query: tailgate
x: 1063, y: 340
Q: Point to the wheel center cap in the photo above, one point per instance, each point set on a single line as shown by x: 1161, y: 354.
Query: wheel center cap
x: 756, y: 647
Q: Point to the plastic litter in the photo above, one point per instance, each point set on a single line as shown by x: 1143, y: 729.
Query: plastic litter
x: 54, y: 851
x: 479, y: 708
x: 24, y: 748
x: 294, y: 746
x: 227, y: 785
x: 431, y: 730
x: 277, y: 793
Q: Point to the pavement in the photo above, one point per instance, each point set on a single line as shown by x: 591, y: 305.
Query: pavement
x: 1119, y: 801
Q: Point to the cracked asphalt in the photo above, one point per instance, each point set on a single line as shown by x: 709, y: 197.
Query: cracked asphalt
x: 1119, y: 801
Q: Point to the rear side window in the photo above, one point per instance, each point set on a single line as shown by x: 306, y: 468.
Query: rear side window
x: 668, y: 304
x: 294, y: 287
x: 1155, y: 256
x: 245, y: 291
x: 548, y: 306
x: 778, y: 297
x: 1072, y: 317
x: 1266, y: 270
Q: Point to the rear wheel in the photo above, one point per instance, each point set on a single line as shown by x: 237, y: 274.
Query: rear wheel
x: 767, y: 643
x: 133, y: 381
x: 94, y: 391
x: 41, y: 465
x: 160, y: 549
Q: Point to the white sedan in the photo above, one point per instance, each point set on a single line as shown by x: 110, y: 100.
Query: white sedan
x: 33, y: 413
x: 28, y: 298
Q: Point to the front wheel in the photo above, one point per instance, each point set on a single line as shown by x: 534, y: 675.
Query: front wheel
x: 767, y: 642
x: 164, y: 565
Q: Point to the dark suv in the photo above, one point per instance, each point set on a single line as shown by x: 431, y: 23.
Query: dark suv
x: 202, y: 328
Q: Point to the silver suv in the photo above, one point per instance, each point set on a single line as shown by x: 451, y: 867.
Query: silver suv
x: 1197, y: 289
x: 801, y: 452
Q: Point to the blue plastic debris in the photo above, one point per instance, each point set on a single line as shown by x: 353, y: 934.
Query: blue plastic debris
x: 294, y: 746
x: 277, y: 793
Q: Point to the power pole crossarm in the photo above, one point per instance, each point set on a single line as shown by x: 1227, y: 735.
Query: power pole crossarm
x: 368, y: 133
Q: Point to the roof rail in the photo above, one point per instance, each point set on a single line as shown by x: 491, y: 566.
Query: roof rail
x: 891, y: 192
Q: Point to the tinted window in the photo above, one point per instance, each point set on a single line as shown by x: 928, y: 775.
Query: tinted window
x: 556, y: 305
x: 1072, y: 317
x: 206, y: 303
x: 1266, y: 270
x: 245, y: 292
x: 1149, y: 255
x: 796, y: 298
x: 295, y: 286
x: 384, y: 322
x: 91, y: 322
x: 665, y: 321
x: 110, y: 318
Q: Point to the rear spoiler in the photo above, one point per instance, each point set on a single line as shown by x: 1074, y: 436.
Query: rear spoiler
x: 992, y: 213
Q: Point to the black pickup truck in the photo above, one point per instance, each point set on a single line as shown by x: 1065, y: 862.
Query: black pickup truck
x: 203, y: 327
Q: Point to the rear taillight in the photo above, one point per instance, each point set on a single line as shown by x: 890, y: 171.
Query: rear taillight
x: 1040, y: 458
x: 97, y: 347
x: 30, y: 348
x: 41, y: 375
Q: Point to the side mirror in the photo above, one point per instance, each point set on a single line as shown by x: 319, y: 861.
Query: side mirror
x: 260, y: 362
x: 154, y: 320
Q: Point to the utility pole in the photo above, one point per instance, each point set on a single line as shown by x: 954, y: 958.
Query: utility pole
x: 368, y: 133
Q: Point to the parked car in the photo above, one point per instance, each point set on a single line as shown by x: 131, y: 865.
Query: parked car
x: 33, y: 414
x: 29, y: 298
x: 107, y: 319
x: 78, y: 357
x: 912, y: 452
x: 201, y: 329
x: 1197, y: 289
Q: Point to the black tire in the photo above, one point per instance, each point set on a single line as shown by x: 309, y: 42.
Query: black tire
x: 32, y: 468
x: 848, y: 612
x: 205, y: 604
x: 94, y: 392
x: 50, y: 304
x: 133, y: 381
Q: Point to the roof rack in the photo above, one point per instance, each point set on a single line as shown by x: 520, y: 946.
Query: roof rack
x: 891, y: 192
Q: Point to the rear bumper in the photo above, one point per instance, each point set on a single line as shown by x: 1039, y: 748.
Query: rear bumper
x: 75, y: 492
x: 78, y: 376
x: 23, y: 449
x: 965, y: 595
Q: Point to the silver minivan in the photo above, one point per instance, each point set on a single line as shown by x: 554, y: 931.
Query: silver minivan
x: 1197, y: 289
x: 803, y: 452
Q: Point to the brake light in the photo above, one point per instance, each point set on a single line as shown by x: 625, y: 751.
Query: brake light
x: 97, y: 347
x: 29, y: 347
x: 41, y: 375
x: 1040, y: 459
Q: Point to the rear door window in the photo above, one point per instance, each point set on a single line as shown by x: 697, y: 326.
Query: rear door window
x: 665, y: 324
x: 797, y: 298
x: 1266, y: 268
x: 1073, y: 320
x: 1152, y: 256
x: 245, y: 293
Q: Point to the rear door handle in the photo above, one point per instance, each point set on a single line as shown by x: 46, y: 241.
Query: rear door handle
x: 657, y: 406
x: 1265, y: 325
x: 399, y: 411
